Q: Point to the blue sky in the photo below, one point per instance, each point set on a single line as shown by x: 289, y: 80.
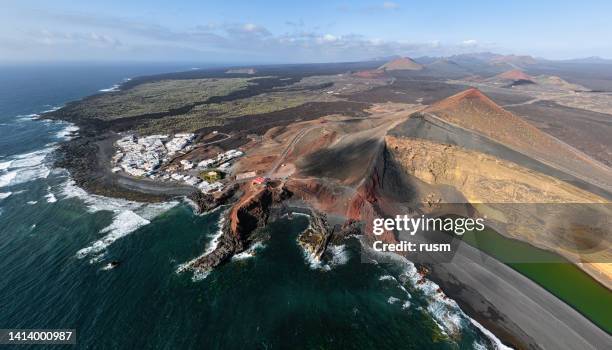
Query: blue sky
x: 302, y: 31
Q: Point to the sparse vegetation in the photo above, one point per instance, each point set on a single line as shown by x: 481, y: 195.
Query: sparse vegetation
x: 211, y: 175
x: 154, y: 97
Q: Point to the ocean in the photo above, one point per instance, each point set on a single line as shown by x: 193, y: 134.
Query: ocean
x: 56, y: 241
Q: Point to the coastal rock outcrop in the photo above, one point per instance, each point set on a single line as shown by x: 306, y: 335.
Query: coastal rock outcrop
x: 251, y: 212
x: 317, y: 236
x: 208, y: 201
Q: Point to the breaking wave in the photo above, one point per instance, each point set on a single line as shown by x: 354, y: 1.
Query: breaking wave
x: 128, y: 216
x: 339, y: 255
x: 124, y: 223
x: 52, y: 109
x: 25, y: 167
x: 110, y: 89
x: 51, y: 198
x: 200, y: 274
x: 445, y: 311
x: 5, y: 165
x: 250, y: 252
x: 68, y: 133
x: 494, y: 340
x: 334, y: 255
x: 393, y: 300
x: 115, y: 87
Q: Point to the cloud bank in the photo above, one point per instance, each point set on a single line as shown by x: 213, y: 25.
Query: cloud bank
x: 78, y: 36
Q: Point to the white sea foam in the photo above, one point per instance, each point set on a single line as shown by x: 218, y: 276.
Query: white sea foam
x: 4, y: 195
x: 339, y: 255
x: 110, y: 89
x: 123, y: 224
x: 406, y: 305
x: 23, y: 175
x: 30, y: 159
x: 7, y: 179
x: 445, y: 311
x: 478, y: 346
x: 249, y: 253
x: 25, y: 117
x: 335, y: 255
x: 68, y: 132
x: 392, y: 300
x: 107, y: 267
x: 5, y: 165
x: 51, y: 197
x: 32, y: 202
x: 387, y: 278
x: 494, y: 340
x: 128, y: 216
x: 200, y: 274
x: 398, y: 284
x: 24, y: 168
x: 314, y: 262
x: 97, y: 258
x: 52, y: 109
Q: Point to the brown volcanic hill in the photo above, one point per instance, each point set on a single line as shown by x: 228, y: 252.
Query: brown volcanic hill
x: 370, y: 74
x: 515, y: 74
x: 402, y: 63
x: 472, y: 110
x: 514, y: 59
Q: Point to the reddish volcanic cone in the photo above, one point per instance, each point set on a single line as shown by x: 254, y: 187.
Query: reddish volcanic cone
x: 472, y: 110
x: 470, y: 100
x: 402, y: 63
x: 515, y: 74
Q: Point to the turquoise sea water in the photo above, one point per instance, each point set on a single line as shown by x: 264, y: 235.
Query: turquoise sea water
x: 55, y: 241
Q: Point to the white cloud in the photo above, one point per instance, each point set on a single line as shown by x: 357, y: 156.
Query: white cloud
x: 88, y: 36
x: 469, y: 43
x: 329, y: 38
x: 52, y: 38
x: 388, y: 5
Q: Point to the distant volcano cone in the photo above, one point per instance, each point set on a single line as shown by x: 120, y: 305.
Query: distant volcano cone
x: 515, y: 74
x: 402, y: 63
